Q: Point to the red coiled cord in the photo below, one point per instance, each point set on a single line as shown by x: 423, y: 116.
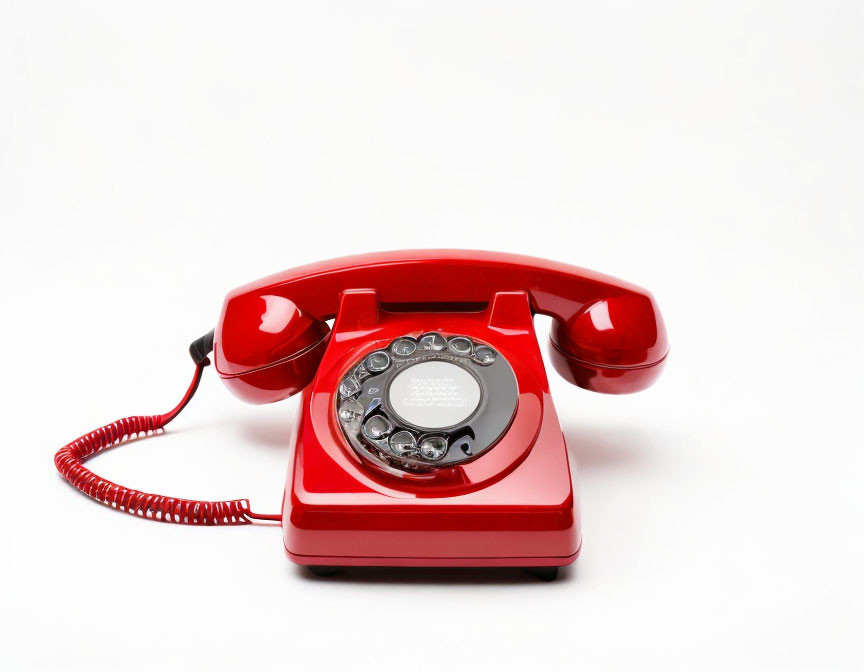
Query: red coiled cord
x: 70, y: 463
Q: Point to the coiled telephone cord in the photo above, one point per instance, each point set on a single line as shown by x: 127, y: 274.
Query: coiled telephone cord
x: 70, y: 459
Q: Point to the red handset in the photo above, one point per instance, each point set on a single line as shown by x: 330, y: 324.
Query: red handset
x: 608, y: 335
x: 427, y: 435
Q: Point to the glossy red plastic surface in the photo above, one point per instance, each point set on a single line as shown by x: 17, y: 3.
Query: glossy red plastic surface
x: 513, y: 505
x: 608, y: 332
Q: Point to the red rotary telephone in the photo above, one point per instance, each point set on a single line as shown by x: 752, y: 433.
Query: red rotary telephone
x: 426, y: 434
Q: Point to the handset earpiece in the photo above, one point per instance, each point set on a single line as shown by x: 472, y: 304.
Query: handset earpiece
x: 266, y: 347
x: 614, y: 345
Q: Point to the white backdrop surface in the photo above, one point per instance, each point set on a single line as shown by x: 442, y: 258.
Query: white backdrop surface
x: 154, y: 155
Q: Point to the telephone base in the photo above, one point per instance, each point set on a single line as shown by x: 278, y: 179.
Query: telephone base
x: 513, y: 505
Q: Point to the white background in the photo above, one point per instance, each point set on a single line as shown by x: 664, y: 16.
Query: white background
x: 154, y: 155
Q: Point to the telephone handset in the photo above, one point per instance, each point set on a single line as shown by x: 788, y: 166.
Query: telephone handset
x: 426, y: 434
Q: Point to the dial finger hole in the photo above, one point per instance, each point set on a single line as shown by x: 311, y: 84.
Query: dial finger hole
x: 433, y: 447
x: 377, y: 427
x: 349, y: 387
x: 377, y: 362
x: 350, y: 411
x: 403, y: 443
x: 484, y: 355
x: 404, y: 347
x: 432, y: 341
x: 459, y: 345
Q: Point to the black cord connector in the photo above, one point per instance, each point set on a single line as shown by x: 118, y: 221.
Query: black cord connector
x: 201, y: 347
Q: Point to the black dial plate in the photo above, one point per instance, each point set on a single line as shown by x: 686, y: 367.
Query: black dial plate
x: 427, y: 400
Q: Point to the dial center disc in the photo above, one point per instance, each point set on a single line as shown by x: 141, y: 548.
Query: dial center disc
x: 434, y: 394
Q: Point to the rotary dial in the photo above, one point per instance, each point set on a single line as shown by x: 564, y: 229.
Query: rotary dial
x: 426, y: 401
